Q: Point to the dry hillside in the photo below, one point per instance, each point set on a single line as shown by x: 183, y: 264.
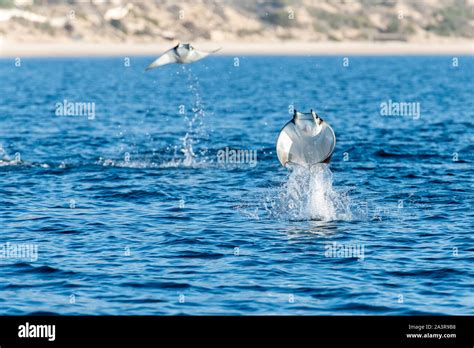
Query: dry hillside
x: 233, y: 20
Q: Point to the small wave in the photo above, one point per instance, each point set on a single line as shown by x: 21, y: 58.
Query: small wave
x: 28, y: 268
x: 43, y: 269
x: 139, y: 300
x: 363, y: 308
x: 133, y: 194
x: 157, y: 285
x: 439, y: 273
x: 385, y: 154
x: 199, y: 255
x: 43, y: 313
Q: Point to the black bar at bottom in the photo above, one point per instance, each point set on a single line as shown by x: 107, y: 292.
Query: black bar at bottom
x: 141, y: 330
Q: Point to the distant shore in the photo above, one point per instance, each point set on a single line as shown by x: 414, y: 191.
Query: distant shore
x: 10, y: 49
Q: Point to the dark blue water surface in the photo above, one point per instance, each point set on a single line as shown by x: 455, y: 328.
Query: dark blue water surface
x: 132, y: 213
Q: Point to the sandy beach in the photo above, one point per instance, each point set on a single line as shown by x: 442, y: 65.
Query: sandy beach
x: 64, y: 49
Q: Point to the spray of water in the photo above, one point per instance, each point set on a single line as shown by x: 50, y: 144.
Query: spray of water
x: 308, y: 194
x: 191, y: 151
x: 195, y: 122
x: 6, y: 160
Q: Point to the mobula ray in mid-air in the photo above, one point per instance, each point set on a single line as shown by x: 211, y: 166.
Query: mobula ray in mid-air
x: 180, y: 54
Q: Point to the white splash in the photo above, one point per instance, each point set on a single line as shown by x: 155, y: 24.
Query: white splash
x: 308, y: 194
x: 6, y: 160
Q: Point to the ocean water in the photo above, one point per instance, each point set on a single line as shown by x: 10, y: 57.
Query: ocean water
x: 140, y: 207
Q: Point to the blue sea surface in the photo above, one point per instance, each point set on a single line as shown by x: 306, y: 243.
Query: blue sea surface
x: 133, y: 213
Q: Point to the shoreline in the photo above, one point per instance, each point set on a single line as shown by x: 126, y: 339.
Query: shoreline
x: 74, y: 49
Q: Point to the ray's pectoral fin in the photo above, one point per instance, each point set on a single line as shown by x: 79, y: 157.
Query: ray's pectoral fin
x: 197, y: 55
x: 166, y: 58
